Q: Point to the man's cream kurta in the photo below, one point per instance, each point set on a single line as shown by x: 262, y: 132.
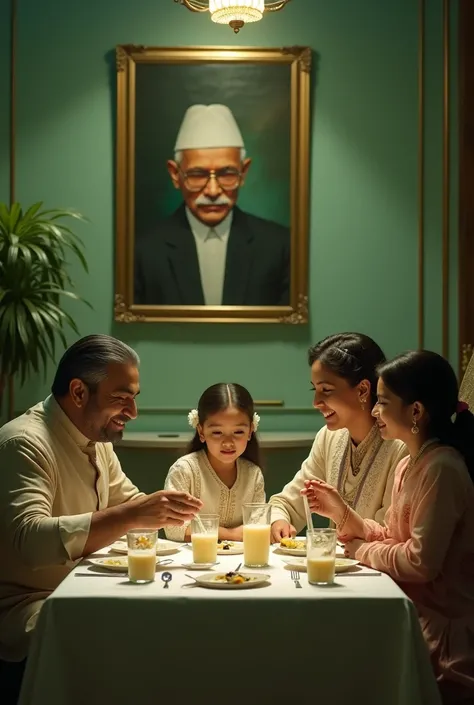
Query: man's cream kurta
x: 48, y: 491
x: 369, y: 492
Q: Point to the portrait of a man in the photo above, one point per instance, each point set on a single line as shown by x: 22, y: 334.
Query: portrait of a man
x: 209, y: 251
x: 212, y: 200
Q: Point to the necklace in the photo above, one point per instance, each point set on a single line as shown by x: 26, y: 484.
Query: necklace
x: 358, y: 453
x: 374, y: 441
x: 413, y: 461
x: 355, y: 465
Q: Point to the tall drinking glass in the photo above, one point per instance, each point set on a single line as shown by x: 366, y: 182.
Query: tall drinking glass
x: 141, y: 555
x: 321, y: 556
x: 257, y: 526
x: 204, y: 533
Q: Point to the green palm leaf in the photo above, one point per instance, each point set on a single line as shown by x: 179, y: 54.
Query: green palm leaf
x: 34, y: 276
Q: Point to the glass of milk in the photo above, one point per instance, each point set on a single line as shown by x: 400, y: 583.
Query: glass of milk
x: 256, y: 534
x: 321, y: 556
x: 204, y: 533
x: 141, y: 555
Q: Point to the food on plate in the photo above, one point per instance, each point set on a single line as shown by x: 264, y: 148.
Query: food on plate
x: 225, y: 545
x: 293, y: 544
x: 232, y: 578
x: 114, y: 561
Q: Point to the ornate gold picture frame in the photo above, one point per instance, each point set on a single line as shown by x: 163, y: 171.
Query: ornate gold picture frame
x: 212, y: 184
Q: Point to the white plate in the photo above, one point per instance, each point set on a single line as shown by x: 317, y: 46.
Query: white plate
x: 117, y: 564
x: 208, y: 580
x: 293, y: 551
x: 163, y: 547
x: 114, y: 563
x: 199, y: 566
x: 342, y: 564
x: 302, y: 551
x: 235, y: 549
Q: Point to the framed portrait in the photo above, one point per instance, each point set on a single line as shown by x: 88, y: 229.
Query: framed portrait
x: 212, y: 184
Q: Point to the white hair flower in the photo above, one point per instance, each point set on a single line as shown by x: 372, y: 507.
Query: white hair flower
x: 193, y: 418
x: 256, y: 421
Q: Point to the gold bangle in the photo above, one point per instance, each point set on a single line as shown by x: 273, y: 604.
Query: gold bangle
x: 343, y: 520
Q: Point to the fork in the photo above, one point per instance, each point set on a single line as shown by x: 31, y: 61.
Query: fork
x: 295, y: 576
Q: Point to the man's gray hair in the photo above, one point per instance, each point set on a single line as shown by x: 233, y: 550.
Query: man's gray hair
x: 88, y: 360
x: 178, y: 156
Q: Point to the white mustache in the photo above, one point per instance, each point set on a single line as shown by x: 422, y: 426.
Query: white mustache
x: 221, y: 200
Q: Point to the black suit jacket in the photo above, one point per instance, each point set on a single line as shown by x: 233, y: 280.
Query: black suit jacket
x: 257, y: 271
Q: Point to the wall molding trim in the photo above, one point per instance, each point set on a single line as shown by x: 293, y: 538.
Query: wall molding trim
x: 421, y: 173
x: 446, y: 173
x: 184, y: 410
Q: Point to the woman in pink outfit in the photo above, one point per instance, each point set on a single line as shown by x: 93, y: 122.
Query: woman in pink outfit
x: 427, y: 545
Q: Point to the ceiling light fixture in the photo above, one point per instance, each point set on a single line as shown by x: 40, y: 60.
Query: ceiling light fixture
x: 235, y: 13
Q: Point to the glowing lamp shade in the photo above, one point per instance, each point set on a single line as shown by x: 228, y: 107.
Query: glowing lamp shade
x: 236, y: 12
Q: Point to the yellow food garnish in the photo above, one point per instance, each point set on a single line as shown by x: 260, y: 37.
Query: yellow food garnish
x: 293, y: 543
x: 225, y: 545
x: 111, y: 561
x: 233, y: 578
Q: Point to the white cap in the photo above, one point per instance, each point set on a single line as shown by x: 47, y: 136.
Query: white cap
x: 208, y: 127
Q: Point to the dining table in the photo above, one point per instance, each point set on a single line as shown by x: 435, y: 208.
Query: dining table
x: 102, y: 640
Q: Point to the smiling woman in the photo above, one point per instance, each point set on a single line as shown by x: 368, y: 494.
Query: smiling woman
x: 417, y: 399
x: 426, y: 543
x: 344, y: 379
x: 348, y: 452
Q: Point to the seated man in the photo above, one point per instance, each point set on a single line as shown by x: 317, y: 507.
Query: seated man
x: 63, y: 494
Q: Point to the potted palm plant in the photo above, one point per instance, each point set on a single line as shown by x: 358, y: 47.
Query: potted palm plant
x: 34, y: 276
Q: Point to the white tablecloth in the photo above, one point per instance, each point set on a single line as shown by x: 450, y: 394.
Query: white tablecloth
x: 103, y: 640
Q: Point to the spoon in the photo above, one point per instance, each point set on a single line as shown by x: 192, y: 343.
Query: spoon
x: 166, y: 578
x: 238, y: 568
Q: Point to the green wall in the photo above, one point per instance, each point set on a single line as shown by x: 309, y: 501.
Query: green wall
x: 5, y: 101
x: 364, y: 185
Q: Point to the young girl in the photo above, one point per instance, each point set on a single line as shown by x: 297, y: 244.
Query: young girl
x: 348, y: 451
x: 222, y: 465
x: 427, y: 545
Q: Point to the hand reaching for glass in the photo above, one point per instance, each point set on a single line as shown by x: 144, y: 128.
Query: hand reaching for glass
x: 324, y: 500
x: 165, y: 508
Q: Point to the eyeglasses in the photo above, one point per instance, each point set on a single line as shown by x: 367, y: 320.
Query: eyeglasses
x: 197, y: 179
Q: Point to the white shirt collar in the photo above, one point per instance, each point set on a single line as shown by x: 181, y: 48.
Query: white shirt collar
x: 201, y: 231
